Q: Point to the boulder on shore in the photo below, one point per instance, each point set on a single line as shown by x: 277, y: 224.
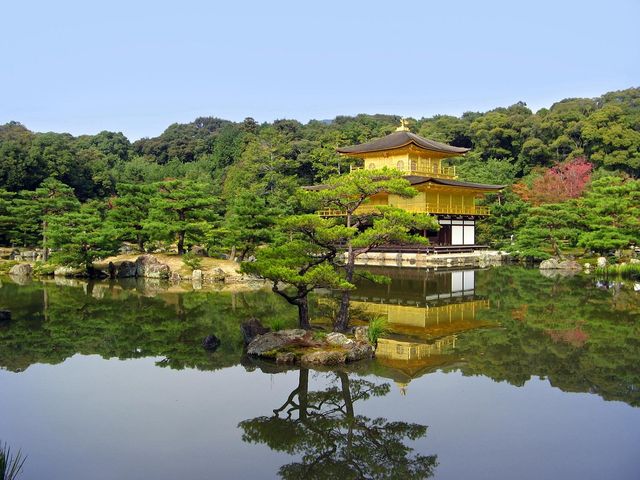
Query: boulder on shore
x: 149, y: 266
x: 126, y: 269
x: 549, y: 264
x: 5, y: 316
x: 63, y: 271
x: 21, y: 270
x: 268, y: 343
x: 361, y: 333
x: 602, y: 262
x: 251, y: 329
x: 335, y: 338
x: 557, y: 264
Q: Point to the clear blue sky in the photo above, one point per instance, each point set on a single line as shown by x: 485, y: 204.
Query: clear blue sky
x: 138, y: 66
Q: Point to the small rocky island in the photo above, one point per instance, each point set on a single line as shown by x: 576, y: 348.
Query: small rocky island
x: 305, y: 347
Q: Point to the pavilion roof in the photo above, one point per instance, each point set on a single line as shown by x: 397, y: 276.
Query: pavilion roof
x: 400, y: 139
x: 417, y: 180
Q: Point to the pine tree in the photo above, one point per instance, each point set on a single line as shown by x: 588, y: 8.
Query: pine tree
x: 248, y: 223
x: 81, y: 237
x: 130, y: 210
x: 34, y: 209
x: 181, y: 210
x: 347, y: 193
x: 301, y: 260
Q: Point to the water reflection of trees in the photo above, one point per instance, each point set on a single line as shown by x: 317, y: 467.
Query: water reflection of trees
x: 581, y: 338
x: 53, y: 322
x: 332, y: 441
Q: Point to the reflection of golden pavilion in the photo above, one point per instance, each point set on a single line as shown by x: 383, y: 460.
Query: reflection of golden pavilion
x: 408, y: 359
x: 428, y: 321
x: 424, y: 317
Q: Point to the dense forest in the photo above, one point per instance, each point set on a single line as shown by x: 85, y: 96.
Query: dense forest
x: 221, y: 183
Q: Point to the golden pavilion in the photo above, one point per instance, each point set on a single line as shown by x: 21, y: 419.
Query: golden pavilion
x: 453, y: 202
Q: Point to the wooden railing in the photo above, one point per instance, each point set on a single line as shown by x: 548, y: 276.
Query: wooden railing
x: 415, y: 207
x: 438, y: 172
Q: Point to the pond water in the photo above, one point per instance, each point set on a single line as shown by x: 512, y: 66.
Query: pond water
x: 487, y: 374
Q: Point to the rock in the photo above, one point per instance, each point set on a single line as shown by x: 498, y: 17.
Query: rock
x: 359, y: 351
x: 211, y: 343
x: 587, y: 266
x: 30, y: 254
x: 557, y: 264
x: 21, y: 270
x: 361, y: 334
x: 196, y: 276
x: 126, y: 269
x: 272, y: 341
x: 126, y: 248
x: 634, y: 261
x: 252, y: 328
x: 150, y: 267
x: 199, y: 251
x: 5, y: 316
x: 112, y: 269
x: 558, y: 273
x: 602, y: 262
x: 569, y: 265
x: 15, y: 255
x: 63, y: 271
x: 324, y: 357
x: 175, y: 277
x: 218, y: 275
x: 549, y: 264
x: 335, y: 338
x: 285, y: 358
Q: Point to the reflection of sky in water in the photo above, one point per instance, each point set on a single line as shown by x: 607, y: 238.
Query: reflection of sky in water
x: 106, y: 419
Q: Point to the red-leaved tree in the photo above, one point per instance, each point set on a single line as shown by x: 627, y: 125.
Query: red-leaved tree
x: 557, y: 184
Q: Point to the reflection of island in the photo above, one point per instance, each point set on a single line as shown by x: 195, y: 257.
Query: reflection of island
x: 425, y: 310
x: 332, y: 441
x: 53, y: 321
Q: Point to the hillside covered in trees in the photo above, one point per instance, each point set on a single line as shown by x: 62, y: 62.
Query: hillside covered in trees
x: 231, y: 179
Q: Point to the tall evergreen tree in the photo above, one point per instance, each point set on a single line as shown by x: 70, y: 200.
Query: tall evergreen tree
x: 182, y: 210
x: 130, y: 210
x: 34, y: 209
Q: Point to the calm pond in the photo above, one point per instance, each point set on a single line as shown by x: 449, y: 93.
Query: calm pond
x: 486, y: 374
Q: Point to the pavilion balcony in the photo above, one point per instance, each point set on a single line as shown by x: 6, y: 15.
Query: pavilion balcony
x: 435, y: 171
x: 416, y: 207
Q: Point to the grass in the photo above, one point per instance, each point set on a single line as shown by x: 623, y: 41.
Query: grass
x: 628, y: 270
x: 10, y: 465
x: 5, y: 266
x: 377, y: 328
x: 278, y: 324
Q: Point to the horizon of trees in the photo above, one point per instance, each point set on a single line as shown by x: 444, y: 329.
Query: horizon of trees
x: 235, y: 178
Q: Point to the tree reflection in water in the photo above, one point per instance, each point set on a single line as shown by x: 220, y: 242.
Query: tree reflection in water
x: 334, y: 442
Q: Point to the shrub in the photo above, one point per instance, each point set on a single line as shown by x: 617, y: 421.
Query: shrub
x: 277, y: 324
x: 192, y: 261
x: 42, y: 268
x: 10, y: 465
x: 377, y: 328
x: 6, y: 266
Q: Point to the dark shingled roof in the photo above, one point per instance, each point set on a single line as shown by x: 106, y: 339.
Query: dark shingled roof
x: 418, y: 179
x: 402, y: 139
